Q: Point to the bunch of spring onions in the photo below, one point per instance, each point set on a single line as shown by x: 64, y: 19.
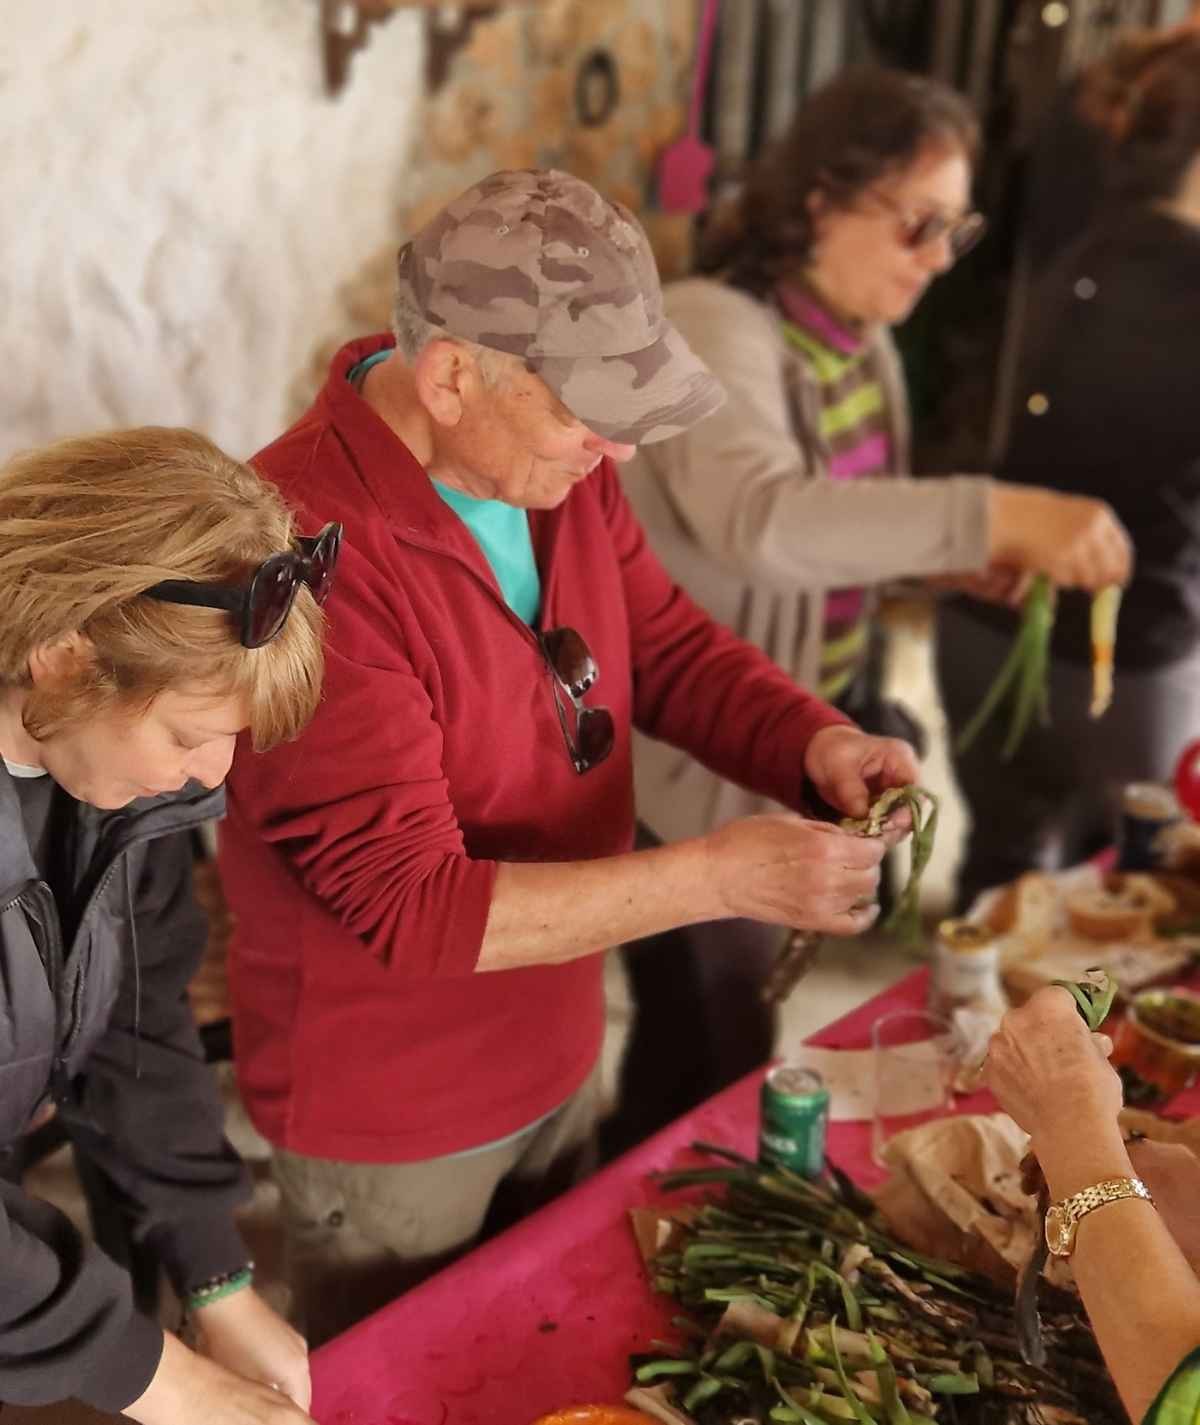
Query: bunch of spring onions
x: 905, y: 918
x: 799, y: 1309
x: 800, y: 951
x: 1023, y: 677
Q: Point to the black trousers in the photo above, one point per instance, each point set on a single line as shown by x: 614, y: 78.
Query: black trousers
x: 699, y: 1020
x: 1059, y: 800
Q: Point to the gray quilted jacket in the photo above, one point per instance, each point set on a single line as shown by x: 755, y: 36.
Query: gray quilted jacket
x: 100, y: 1026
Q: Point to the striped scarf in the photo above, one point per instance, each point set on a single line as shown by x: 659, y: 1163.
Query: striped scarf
x: 853, y: 423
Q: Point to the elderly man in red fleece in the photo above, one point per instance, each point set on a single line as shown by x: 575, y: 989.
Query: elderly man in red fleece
x: 424, y: 884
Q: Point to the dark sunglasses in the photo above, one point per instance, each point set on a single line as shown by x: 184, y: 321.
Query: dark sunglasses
x: 574, y: 672
x: 918, y: 229
x: 264, y: 604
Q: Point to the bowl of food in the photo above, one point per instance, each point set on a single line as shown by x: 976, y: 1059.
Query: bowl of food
x: 1159, y: 1039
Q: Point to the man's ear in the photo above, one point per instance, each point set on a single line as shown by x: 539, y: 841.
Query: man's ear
x: 445, y: 374
x: 59, y: 664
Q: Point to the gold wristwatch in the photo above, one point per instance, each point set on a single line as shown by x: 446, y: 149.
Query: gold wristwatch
x: 1062, y: 1218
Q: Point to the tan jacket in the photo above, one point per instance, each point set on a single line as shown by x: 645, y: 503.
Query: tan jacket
x: 742, y: 512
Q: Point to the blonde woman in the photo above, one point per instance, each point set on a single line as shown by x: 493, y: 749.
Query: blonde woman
x: 156, y: 603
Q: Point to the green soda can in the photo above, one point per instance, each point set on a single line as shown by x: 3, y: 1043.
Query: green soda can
x: 795, y: 1115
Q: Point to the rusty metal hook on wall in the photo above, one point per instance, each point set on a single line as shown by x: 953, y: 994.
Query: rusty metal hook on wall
x: 344, y: 29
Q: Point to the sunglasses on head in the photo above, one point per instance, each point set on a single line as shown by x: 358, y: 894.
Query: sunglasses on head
x: 574, y: 672
x: 262, y: 606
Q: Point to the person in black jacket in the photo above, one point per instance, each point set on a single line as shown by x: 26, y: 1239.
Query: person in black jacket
x: 156, y: 602
x: 1072, y: 157
x: 1109, y: 409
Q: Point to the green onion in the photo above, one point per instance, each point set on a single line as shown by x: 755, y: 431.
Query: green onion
x: 1093, y: 997
x: 960, y: 1383
x: 905, y: 920
x: 1023, y: 675
x: 704, y: 1389
x: 861, y: 1412
x: 1106, y: 605
x: 946, y: 1353
x: 670, y: 1367
x: 1023, y: 679
x: 800, y: 952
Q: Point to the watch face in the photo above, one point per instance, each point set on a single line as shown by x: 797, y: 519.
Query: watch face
x: 1058, y: 1232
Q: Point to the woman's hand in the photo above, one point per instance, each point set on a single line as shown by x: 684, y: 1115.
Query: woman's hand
x: 1049, y: 1072
x: 243, y: 1334
x: 997, y: 584
x: 849, y: 768
x: 189, y: 1389
x: 1078, y: 542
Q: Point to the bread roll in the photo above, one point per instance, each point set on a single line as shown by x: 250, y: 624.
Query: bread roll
x: 1124, y: 914
x: 1031, y: 909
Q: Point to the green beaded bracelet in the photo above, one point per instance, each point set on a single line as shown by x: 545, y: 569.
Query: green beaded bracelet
x: 219, y: 1288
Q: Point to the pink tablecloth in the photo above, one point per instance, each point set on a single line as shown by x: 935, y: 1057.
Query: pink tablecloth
x: 546, y: 1315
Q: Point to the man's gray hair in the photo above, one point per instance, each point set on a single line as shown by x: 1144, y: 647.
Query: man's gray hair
x: 414, y: 331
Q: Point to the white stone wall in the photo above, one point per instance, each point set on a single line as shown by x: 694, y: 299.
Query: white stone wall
x: 179, y: 204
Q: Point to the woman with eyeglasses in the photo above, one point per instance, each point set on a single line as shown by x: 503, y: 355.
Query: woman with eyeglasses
x: 786, y: 510
x: 1108, y: 406
x: 157, y: 603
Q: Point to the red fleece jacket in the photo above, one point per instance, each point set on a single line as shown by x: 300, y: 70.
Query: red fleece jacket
x: 359, y: 861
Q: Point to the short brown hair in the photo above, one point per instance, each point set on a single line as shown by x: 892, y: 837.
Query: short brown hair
x: 1158, y: 132
x: 88, y: 523
x: 1108, y: 87
x: 868, y: 122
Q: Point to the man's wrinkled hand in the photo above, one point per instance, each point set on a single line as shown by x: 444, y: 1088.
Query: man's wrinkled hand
x: 786, y: 870
x: 849, y: 769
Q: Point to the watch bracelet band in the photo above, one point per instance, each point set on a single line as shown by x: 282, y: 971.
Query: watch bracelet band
x: 1076, y: 1207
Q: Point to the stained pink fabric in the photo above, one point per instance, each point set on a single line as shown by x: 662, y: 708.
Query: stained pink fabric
x: 546, y: 1315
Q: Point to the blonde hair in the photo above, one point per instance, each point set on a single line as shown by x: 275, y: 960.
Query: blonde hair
x: 88, y: 523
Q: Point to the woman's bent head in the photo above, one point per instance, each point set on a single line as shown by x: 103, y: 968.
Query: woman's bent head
x: 118, y: 695
x: 865, y: 197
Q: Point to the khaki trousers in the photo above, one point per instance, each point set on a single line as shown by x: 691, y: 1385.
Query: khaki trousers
x: 357, y: 1235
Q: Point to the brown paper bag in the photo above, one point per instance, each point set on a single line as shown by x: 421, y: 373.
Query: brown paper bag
x: 955, y: 1192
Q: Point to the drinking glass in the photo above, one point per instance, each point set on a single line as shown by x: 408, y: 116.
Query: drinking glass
x: 915, y: 1056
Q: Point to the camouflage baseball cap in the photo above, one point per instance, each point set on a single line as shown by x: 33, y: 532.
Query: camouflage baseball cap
x: 536, y: 263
